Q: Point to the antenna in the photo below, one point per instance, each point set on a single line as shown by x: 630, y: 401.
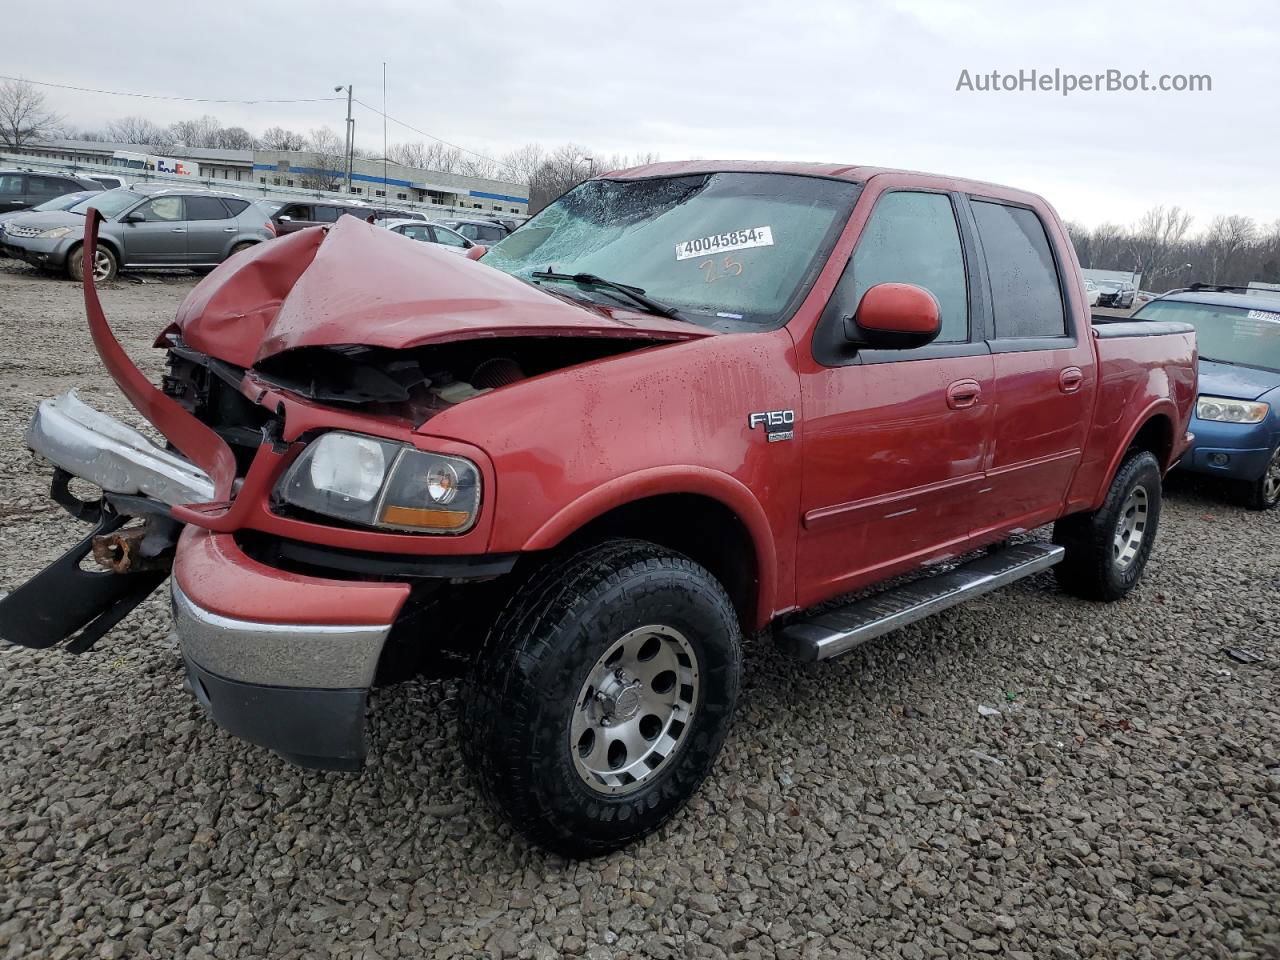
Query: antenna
x: 385, y: 198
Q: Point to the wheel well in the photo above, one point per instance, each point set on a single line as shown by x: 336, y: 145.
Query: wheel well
x: 703, y: 529
x: 102, y: 242
x: 1155, y: 436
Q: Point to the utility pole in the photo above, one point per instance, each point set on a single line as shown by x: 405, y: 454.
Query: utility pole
x: 349, y: 152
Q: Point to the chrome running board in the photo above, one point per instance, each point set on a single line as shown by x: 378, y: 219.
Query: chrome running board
x: 833, y: 632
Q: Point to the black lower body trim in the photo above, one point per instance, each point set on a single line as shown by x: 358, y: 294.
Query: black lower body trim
x: 317, y: 729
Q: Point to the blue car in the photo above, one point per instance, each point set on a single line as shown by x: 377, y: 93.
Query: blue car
x: 1237, y: 415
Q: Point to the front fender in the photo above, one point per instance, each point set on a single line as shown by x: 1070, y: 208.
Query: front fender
x: 678, y: 479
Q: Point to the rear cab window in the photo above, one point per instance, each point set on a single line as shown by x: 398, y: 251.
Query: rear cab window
x: 1027, y: 302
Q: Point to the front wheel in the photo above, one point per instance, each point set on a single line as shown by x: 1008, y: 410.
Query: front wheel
x: 105, y: 264
x: 1107, y: 550
x: 1263, y: 493
x: 603, y: 695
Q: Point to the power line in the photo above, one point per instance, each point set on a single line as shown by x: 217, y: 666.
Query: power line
x: 432, y: 136
x: 161, y: 96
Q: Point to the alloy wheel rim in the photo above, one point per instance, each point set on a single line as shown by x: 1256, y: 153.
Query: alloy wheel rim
x: 1271, y: 479
x: 634, y: 709
x: 1131, y: 528
x: 101, y: 266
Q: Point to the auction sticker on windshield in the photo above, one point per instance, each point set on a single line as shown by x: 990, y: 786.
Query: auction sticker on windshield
x: 725, y: 242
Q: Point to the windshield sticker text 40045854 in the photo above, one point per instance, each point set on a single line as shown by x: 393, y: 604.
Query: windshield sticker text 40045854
x: 724, y: 242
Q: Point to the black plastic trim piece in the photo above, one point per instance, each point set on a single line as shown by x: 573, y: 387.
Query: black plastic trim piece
x: 1140, y: 328
x: 316, y: 729
x: 371, y: 563
x: 1026, y: 344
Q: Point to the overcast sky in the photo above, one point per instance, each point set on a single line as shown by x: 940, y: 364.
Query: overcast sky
x: 795, y: 80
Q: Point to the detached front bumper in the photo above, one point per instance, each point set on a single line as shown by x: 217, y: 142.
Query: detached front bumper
x: 280, y: 659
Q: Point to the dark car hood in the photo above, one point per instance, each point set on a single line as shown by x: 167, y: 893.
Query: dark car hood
x: 1238, y: 383
x: 357, y: 284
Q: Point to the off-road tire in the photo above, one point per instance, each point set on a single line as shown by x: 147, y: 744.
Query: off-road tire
x: 519, y: 701
x: 1255, y: 494
x: 75, y: 263
x: 1090, y: 568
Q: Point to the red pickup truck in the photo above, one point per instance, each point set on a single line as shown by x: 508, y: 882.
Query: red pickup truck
x: 683, y: 403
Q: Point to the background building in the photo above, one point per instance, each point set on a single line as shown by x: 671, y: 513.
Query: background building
x: 262, y: 170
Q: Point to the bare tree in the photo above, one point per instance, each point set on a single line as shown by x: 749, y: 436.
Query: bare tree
x: 328, y: 165
x: 278, y: 138
x: 1156, y: 242
x: 236, y: 138
x: 204, y: 132
x: 1227, y: 237
x: 23, y: 116
x: 140, y: 131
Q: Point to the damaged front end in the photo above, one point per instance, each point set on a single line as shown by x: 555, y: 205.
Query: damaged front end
x: 290, y: 363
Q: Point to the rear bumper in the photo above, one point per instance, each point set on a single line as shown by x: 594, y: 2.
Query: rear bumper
x: 281, y: 660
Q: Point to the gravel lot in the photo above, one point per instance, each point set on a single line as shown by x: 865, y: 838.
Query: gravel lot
x: 1124, y: 802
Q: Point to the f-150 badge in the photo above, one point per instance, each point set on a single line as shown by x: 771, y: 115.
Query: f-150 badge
x: 778, y: 424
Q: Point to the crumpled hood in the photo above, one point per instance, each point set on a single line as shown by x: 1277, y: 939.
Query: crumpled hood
x: 1238, y: 383
x: 354, y: 283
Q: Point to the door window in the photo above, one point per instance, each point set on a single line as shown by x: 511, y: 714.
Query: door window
x: 448, y: 237
x: 913, y: 238
x: 161, y: 209
x: 415, y: 232
x: 327, y: 214
x: 1026, y: 294
x: 205, y: 208
x: 11, y: 185
x: 47, y: 187
x: 296, y: 211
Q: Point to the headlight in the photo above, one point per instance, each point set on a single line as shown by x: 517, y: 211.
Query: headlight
x: 54, y: 233
x: 1231, y: 411
x: 378, y: 483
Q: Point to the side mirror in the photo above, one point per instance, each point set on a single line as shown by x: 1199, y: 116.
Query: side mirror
x: 894, y: 316
x: 285, y: 219
x: 477, y: 251
x: 132, y: 218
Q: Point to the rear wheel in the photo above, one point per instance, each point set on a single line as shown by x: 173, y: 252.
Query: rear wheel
x: 105, y: 265
x: 238, y: 248
x: 1264, y: 493
x: 603, y: 695
x: 1107, y: 550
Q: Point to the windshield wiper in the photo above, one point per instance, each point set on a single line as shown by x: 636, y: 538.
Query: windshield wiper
x: 635, y: 294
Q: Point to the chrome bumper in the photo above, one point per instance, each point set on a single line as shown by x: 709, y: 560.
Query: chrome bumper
x: 277, y: 654
x: 95, y: 447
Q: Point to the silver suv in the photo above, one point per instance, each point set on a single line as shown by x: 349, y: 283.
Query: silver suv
x: 146, y: 227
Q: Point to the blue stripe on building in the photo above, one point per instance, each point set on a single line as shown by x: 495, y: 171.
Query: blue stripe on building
x: 366, y: 178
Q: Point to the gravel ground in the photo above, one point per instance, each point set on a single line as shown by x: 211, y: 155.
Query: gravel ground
x: 1125, y: 800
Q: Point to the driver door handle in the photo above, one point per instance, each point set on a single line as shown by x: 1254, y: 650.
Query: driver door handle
x: 1070, y: 379
x: 963, y: 394
x: 179, y: 229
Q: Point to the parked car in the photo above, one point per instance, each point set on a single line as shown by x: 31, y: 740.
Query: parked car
x: 1116, y: 293
x: 148, y: 227
x: 429, y: 233
x: 387, y: 213
x: 298, y: 215
x: 64, y: 202
x: 1092, y: 292
x: 487, y: 232
x: 109, y: 181
x: 587, y: 465
x: 1237, y: 415
x: 22, y: 190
